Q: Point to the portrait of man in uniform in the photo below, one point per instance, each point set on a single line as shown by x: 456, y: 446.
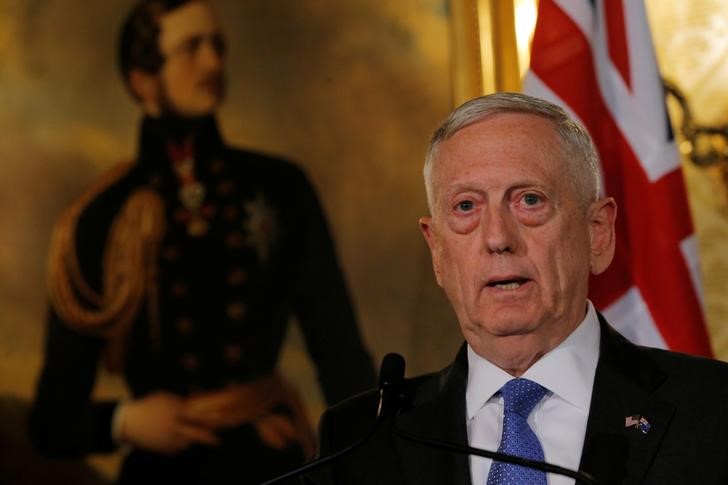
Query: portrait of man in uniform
x: 181, y: 270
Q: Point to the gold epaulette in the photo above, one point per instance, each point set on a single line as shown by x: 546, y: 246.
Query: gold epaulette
x: 129, y: 262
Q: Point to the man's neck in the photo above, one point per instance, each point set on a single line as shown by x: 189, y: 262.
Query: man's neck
x: 179, y: 129
x: 200, y: 137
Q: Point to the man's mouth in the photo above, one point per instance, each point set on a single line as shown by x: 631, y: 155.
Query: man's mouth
x: 507, y: 283
x: 212, y: 83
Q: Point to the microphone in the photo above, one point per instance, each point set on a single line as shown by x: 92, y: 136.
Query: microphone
x: 391, y: 377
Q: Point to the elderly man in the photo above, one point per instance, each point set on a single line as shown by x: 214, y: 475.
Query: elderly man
x: 184, y: 267
x: 517, y: 226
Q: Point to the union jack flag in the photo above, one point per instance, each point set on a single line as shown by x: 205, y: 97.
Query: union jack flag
x: 595, y: 58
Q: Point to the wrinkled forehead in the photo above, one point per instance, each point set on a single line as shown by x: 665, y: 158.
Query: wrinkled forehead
x: 192, y: 20
x: 504, y: 149
x: 522, y: 140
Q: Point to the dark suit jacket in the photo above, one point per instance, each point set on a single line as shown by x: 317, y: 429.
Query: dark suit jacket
x: 685, y: 400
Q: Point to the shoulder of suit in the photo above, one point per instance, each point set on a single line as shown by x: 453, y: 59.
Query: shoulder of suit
x: 699, y: 381
x: 686, y: 364
x: 421, y: 389
x: 663, y: 367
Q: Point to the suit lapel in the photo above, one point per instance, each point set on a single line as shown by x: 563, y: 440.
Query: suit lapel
x: 438, y: 412
x: 624, y: 385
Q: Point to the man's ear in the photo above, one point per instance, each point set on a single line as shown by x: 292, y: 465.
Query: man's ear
x: 145, y: 87
x: 428, y: 231
x: 602, y: 215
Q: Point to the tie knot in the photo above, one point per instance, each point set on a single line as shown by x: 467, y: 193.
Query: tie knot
x: 521, y: 396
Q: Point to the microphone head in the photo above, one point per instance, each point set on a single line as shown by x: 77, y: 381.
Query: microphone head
x: 391, y: 377
x: 391, y: 372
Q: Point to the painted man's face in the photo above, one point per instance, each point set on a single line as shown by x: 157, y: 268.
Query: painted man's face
x: 191, y: 78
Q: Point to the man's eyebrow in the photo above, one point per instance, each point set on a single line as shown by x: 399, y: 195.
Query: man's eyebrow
x: 462, y: 187
x: 186, y: 41
x: 472, y: 187
x: 527, y: 185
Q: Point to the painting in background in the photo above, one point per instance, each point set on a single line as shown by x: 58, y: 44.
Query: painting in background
x: 351, y: 90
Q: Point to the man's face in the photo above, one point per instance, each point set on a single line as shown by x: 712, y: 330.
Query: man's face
x: 191, y: 78
x: 510, y: 241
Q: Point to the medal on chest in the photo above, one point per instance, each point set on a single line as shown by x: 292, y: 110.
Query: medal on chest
x: 192, y: 192
x: 260, y: 226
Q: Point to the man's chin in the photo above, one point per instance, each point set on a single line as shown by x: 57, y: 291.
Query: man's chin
x: 501, y: 331
x: 510, y: 322
x: 192, y: 114
x: 513, y: 330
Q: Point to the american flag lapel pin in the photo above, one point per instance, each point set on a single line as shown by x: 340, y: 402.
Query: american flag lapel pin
x: 638, y: 422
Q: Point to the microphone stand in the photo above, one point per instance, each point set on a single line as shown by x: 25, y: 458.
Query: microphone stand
x: 579, y: 476
x: 322, y: 461
x: 391, y: 375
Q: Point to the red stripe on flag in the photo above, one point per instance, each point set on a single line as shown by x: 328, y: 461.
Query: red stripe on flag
x: 653, y: 217
x: 617, y: 38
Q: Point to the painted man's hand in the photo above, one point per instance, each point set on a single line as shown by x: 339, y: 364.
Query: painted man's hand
x: 157, y: 423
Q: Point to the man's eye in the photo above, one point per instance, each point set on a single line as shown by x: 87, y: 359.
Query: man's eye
x: 465, y: 205
x: 219, y: 44
x: 190, y: 46
x: 531, y: 199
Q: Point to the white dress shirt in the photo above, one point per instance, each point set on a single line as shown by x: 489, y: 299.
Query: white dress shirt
x: 559, y: 420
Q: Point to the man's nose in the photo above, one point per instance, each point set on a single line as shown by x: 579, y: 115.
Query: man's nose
x: 500, y: 230
x: 211, y: 56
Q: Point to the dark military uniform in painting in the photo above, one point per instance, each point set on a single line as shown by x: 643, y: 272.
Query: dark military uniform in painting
x: 240, y: 244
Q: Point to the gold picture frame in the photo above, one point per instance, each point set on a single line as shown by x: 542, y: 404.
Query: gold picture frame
x: 489, y: 45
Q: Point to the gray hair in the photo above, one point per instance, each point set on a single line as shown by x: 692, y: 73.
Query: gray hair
x: 576, y: 142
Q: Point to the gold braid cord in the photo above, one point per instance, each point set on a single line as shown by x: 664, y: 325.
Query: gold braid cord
x: 129, y: 266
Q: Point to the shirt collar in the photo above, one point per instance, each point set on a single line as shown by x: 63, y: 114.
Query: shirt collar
x: 567, y: 370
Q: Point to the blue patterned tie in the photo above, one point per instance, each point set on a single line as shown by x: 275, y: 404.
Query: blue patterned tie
x: 520, y: 396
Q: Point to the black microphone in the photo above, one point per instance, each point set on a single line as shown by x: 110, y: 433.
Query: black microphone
x: 391, y: 377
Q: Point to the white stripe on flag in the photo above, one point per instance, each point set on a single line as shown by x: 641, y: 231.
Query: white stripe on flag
x: 630, y: 317
x: 689, y: 250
